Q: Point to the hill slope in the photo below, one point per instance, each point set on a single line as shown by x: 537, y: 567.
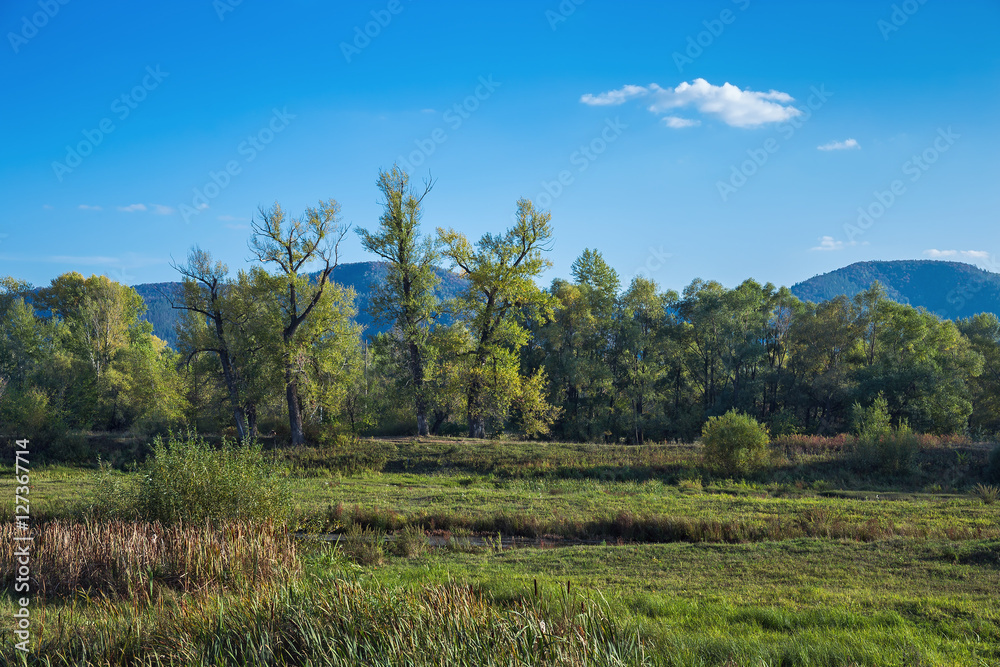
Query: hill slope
x: 951, y: 290
x: 359, y: 275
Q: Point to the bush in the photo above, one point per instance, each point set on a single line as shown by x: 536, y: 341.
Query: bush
x: 879, y: 446
x: 186, y: 479
x: 410, y: 542
x: 29, y: 414
x: 893, y: 451
x: 735, y: 442
x: 987, y: 494
x: 364, y: 546
x: 873, y: 420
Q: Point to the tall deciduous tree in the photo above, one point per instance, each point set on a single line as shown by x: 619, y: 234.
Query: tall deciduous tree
x: 405, y: 297
x: 292, y: 245
x: 207, y: 294
x: 501, y: 271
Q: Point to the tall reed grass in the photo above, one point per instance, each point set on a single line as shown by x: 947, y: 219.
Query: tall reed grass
x: 127, y: 559
x: 341, y: 623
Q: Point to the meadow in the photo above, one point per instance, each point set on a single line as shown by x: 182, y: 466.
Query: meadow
x: 631, y: 555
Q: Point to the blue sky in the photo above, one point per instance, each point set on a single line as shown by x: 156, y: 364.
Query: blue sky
x: 124, y: 121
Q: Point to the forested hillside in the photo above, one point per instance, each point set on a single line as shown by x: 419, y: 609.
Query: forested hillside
x: 951, y: 290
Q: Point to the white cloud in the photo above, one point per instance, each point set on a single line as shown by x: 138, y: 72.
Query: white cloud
x: 202, y: 206
x: 829, y: 243
x: 160, y: 209
x: 85, y: 207
x: 934, y: 253
x: 616, y: 97
x: 677, y: 122
x: 132, y: 208
x: 839, y: 145
x: 735, y: 107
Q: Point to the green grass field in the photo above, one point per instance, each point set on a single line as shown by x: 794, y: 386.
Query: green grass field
x: 646, y: 558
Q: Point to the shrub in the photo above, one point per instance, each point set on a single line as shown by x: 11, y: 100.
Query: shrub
x: 893, y: 451
x: 410, y: 542
x: 735, y: 442
x: 987, y: 494
x: 363, y: 545
x: 873, y: 420
x: 29, y: 414
x: 186, y: 479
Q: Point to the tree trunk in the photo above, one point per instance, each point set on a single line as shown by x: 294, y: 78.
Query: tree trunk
x: 417, y: 372
x: 474, y: 411
x: 477, y: 427
x: 294, y: 410
x: 439, y: 419
x: 251, y: 411
x: 239, y: 416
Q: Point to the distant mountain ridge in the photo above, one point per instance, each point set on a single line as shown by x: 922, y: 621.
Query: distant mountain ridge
x: 951, y: 290
x: 359, y: 275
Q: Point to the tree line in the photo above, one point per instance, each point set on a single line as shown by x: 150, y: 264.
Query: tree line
x: 273, y: 348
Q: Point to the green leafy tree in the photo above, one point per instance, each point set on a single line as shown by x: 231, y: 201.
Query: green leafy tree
x: 215, y: 317
x: 291, y: 245
x: 500, y: 271
x: 406, y: 296
x: 983, y: 334
x: 637, y: 358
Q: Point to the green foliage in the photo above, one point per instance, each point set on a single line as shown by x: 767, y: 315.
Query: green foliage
x: 736, y: 443
x: 987, y: 493
x: 187, y: 480
x: 873, y: 421
x: 364, y: 546
x: 784, y: 423
x: 501, y: 271
x: 879, y: 446
x: 29, y: 413
x: 411, y: 542
x: 892, y: 452
x: 992, y: 470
